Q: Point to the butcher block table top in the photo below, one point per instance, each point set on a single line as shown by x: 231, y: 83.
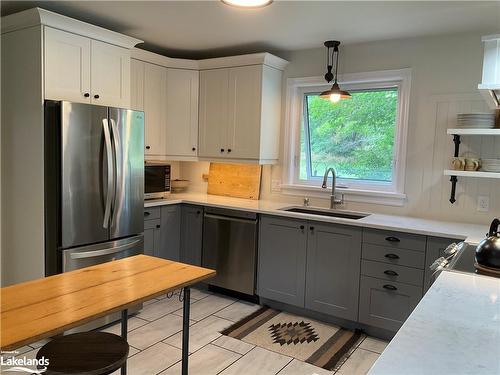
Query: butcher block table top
x: 42, y: 308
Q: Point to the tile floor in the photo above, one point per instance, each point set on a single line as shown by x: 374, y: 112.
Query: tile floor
x: 155, y: 342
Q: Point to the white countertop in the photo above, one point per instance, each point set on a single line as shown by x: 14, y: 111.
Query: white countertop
x: 455, y: 329
x: 471, y: 233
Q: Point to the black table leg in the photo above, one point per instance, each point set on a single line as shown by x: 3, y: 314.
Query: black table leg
x: 124, y: 336
x: 185, y: 331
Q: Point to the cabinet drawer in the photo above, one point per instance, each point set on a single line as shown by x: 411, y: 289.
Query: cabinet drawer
x: 152, y: 224
x: 386, y: 304
x: 399, y: 257
x: 392, y: 272
x: 394, y: 239
x: 152, y: 213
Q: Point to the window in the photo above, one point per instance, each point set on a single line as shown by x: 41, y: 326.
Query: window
x: 363, y: 138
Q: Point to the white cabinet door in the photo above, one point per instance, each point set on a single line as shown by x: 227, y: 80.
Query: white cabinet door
x: 244, y: 114
x: 67, y: 66
x: 181, y: 132
x: 154, y: 109
x: 110, y: 72
x: 213, y: 113
x: 137, y: 85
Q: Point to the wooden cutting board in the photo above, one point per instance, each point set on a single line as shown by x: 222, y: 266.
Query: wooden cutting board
x: 234, y: 180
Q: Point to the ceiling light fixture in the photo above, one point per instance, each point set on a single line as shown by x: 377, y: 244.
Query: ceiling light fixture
x: 248, y: 3
x: 335, y: 94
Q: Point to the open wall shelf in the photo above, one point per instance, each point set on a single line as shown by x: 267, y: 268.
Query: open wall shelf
x: 477, y: 174
x: 458, y: 131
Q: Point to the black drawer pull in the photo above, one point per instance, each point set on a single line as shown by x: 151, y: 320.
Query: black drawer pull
x: 221, y: 150
x: 391, y: 273
x: 147, y: 213
x: 390, y: 287
x: 158, y: 226
x: 392, y: 256
x: 86, y: 95
x: 96, y: 96
x: 193, y: 149
x: 312, y: 229
x: 302, y: 227
x: 148, y: 147
x: 392, y: 239
x: 198, y: 212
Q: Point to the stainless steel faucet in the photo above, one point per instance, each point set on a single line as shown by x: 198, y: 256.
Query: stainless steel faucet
x: 333, y: 201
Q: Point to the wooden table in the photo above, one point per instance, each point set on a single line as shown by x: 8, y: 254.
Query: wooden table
x: 45, y: 307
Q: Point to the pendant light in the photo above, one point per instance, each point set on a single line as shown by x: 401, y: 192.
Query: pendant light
x: 335, y: 94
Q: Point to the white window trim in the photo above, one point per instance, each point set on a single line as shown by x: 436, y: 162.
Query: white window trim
x: 390, y: 194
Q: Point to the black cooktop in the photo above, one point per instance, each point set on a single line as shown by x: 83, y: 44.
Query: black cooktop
x: 464, y: 261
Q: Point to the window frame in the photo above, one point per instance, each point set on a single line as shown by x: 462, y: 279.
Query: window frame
x: 361, y: 190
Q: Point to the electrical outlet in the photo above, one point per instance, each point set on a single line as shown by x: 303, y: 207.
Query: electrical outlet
x: 483, y: 203
x: 276, y: 185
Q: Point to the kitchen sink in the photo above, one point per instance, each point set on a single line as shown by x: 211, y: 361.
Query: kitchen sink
x: 326, y: 212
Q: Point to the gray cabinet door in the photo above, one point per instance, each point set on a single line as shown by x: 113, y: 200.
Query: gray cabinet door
x: 152, y: 237
x: 333, y: 268
x: 435, y: 249
x: 386, y: 304
x: 191, y: 234
x: 170, y: 232
x: 282, y: 260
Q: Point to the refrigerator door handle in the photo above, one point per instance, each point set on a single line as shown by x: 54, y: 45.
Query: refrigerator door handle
x: 110, y: 167
x: 111, y: 250
x: 117, y: 173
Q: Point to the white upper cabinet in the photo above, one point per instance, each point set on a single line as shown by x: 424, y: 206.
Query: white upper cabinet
x: 84, y: 70
x: 240, y: 111
x: 155, y: 78
x: 110, y: 75
x: 67, y: 66
x: 137, y: 85
x: 181, y: 131
x: 214, y: 92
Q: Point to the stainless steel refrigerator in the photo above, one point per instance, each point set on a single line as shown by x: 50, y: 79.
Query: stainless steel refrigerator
x: 94, y: 177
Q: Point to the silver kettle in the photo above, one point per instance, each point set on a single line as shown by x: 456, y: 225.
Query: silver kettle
x: 488, y: 250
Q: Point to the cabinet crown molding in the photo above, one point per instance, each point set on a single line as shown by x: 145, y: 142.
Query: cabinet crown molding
x: 263, y: 58
x: 38, y: 16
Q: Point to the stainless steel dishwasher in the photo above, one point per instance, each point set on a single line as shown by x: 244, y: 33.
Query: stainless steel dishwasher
x: 230, y: 247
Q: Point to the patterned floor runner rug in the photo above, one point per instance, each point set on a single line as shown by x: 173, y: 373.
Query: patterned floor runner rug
x: 320, y: 344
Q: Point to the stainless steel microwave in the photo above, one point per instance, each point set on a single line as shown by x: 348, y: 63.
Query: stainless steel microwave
x: 157, y: 177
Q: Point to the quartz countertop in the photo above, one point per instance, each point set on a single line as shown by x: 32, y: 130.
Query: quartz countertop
x: 471, y: 233
x: 455, y: 329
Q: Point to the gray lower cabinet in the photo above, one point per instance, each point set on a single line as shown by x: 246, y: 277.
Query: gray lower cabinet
x: 435, y: 249
x: 333, y: 270
x: 386, y: 304
x: 170, y: 237
x: 152, y: 233
x: 191, y: 234
x: 282, y: 260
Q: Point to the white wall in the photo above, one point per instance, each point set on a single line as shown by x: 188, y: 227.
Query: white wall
x: 445, y: 74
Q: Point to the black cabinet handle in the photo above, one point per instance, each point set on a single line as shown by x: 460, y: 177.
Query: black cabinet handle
x: 96, y: 96
x: 221, y: 150
x: 148, y: 147
x: 158, y: 226
x: 390, y: 287
x: 228, y: 150
x: 311, y: 229
x: 392, y: 239
x: 198, y: 212
x: 147, y: 213
x: 392, y: 256
x: 193, y: 149
x: 391, y: 273
x: 302, y: 227
x: 86, y: 94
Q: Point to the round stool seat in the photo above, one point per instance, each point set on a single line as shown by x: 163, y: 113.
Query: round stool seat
x: 85, y: 353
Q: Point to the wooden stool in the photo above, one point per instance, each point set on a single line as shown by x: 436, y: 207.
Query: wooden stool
x: 85, y: 353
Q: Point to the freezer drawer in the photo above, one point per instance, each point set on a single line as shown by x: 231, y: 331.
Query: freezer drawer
x: 85, y: 256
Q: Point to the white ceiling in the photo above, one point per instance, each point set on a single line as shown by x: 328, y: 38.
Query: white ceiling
x: 195, y: 29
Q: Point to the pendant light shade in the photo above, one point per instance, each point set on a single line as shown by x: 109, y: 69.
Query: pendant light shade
x: 247, y: 3
x: 335, y: 94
